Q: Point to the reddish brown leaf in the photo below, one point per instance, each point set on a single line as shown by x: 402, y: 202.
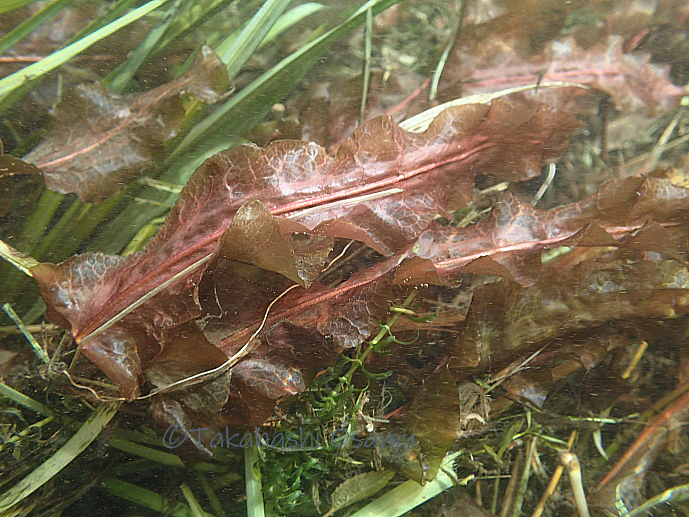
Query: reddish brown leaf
x: 506, y: 243
x: 254, y: 237
x: 105, y: 299
x: 303, y: 335
x: 99, y: 142
x: 433, y: 419
x: 346, y: 314
x: 506, y: 320
x: 630, y: 79
x: 435, y: 169
x: 187, y: 352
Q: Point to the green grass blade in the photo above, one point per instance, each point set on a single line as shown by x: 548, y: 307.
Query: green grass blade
x: 162, y: 457
x: 254, y: 490
x: 147, y: 498
x: 235, y: 53
x: 10, y: 5
x: 117, y: 9
x: 25, y: 28
x: 189, y: 18
x: 42, y: 354
x: 124, y: 73
x: 409, y: 494
x: 291, y: 17
x: 194, y: 506
x: 45, y: 65
x: 21, y: 399
x: 285, y: 21
x: 53, y: 465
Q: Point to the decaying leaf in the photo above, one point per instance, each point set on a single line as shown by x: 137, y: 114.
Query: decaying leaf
x: 433, y: 420
x: 564, y: 306
x: 358, y: 488
x: 20, y: 187
x: 99, y: 142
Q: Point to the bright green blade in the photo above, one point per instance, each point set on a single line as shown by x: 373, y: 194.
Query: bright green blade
x: 235, y: 53
x: 9, y: 5
x: 45, y: 65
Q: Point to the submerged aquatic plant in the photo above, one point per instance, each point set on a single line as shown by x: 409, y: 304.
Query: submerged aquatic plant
x: 257, y: 301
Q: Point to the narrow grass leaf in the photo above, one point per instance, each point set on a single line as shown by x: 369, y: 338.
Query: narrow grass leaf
x: 124, y: 73
x: 235, y: 54
x: 53, y: 465
x: 290, y: 18
x: 147, y: 498
x: 162, y: 457
x: 23, y: 400
x: 10, y: 5
x: 193, y: 14
x: 409, y: 494
x: 42, y: 354
x: 194, y: 505
x: 25, y: 28
x: 45, y: 65
x: 254, y: 490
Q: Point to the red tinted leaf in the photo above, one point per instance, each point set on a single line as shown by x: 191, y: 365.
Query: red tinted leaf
x: 303, y: 335
x: 346, y: 314
x: 630, y: 79
x: 435, y: 169
x: 505, y: 244
x: 187, y: 352
x: 433, y: 418
x: 158, y: 288
x: 99, y: 142
x: 77, y: 289
x: 272, y: 380
x: 254, y: 237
